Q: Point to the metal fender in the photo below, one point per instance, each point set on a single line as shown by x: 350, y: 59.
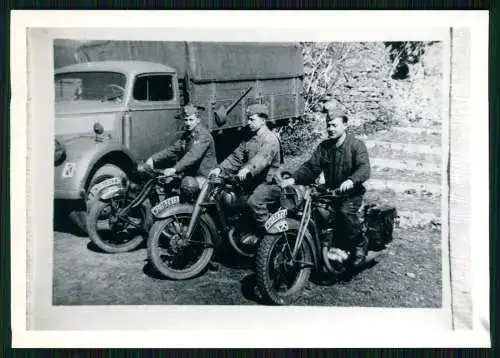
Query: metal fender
x: 188, y: 209
x: 278, y: 226
x: 107, y: 194
x: 82, y: 154
x: 161, y: 210
x: 276, y: 222
x: 175, y: 210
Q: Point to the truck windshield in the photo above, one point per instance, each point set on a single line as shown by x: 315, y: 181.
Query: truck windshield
x: 90, y: 86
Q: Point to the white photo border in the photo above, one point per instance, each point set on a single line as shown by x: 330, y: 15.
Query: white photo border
x: 36, y: 323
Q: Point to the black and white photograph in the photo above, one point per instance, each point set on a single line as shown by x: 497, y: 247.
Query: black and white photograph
x: 161, y: 238
x: 270, y: 174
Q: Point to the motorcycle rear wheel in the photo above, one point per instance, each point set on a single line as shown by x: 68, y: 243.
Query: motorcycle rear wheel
x: 172, y: 255
x: 273, y: 251
x: 123, y: 235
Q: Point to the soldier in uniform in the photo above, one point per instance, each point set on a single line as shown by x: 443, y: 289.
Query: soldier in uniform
x: 258, y: 158
x: 194, y: 153
x: 345, y: 163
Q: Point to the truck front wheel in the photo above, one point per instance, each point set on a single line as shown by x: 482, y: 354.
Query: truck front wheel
x: 79, y: 217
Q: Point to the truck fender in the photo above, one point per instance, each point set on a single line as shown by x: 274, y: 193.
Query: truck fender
x: 97, y: 158
x: 84, y: 157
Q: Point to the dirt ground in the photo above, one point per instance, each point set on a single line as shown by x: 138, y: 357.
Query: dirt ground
x: 406, y: 274
x: 84, y: 276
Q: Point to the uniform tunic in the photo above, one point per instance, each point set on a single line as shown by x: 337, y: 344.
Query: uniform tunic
x: 194, y: 153
x: 260, y: 154
x: 349, y: 161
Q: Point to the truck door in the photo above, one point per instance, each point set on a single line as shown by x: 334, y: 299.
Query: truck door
x: 154, y: 109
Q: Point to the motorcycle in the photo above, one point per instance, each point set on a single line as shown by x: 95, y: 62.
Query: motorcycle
x: 119, y: 221
x: 285, y: 261
x: 182, y: 244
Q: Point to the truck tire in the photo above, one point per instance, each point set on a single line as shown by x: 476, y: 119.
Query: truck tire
x: 79, y: 217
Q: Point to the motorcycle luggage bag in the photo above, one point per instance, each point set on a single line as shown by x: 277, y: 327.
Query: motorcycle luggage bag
x: 379, y: 223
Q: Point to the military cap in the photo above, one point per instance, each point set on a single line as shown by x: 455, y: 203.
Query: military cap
x: 332, y: 110
x: 191, y: 110
x: 257, y: 109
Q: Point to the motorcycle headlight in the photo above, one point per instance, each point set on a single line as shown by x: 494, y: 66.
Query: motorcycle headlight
x: 59, y: 153
x: 292, y: 197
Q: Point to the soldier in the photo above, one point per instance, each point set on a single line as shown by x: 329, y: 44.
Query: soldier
x: 345, y: 163
x: 260, y: 158
x: 194, y: 153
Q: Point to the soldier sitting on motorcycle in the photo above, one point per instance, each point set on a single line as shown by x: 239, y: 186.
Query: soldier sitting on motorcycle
x: 345, y: 163
x: 194, y: 154
x: 258, y: 158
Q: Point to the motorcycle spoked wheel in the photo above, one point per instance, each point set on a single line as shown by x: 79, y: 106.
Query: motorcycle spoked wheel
x: 113, y: 234
x: 279, y: 277
x: 172, y: 255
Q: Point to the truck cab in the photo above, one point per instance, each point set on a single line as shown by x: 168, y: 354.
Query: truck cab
x: 110, y: 113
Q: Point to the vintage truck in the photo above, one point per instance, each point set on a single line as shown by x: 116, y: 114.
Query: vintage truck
x: 120, y: 103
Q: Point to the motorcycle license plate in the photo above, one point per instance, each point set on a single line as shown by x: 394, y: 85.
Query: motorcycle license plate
x: 273, y: 219
x: 165, y: 204
x: 105, y: 184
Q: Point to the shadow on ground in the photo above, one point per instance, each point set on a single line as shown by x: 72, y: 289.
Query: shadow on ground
x: 149, y: 270
x: 62, y: 224
x: 250, y: 290
x: 324, y: 279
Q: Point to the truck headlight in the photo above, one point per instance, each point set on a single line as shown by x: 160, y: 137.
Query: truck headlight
x: 59, y: 153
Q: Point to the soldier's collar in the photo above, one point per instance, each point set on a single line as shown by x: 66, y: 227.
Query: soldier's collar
x: 262, y: 130
x: 341, y: 140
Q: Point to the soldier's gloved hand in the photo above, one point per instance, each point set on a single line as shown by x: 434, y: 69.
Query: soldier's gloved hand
x: 214, y: 172
x: 243, y: 173
x: 169, y: 172
x: 287, y: 182
x: 150, y: 162
x: 346, y: 185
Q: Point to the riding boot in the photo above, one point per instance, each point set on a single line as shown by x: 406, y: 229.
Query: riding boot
x: 360, y: 250
x: 252, y: 238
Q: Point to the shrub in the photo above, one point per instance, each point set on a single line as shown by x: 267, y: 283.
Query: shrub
x: 376, y: 84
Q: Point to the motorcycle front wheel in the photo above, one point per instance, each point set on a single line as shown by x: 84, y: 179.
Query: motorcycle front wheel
x: 113, y: 233
x: 279, y: 277
x: 172, y: 254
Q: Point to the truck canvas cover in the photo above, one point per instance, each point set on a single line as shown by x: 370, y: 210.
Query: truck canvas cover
x: 250, y: 61
x: 205, y: 61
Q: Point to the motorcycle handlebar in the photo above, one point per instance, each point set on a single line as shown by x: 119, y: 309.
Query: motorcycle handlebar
x: 222, y: 179
x: 320, y: 192
x: 146, y: 169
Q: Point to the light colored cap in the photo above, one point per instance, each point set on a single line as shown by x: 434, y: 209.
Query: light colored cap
x: 257, y: 109
x: 190, y: 110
